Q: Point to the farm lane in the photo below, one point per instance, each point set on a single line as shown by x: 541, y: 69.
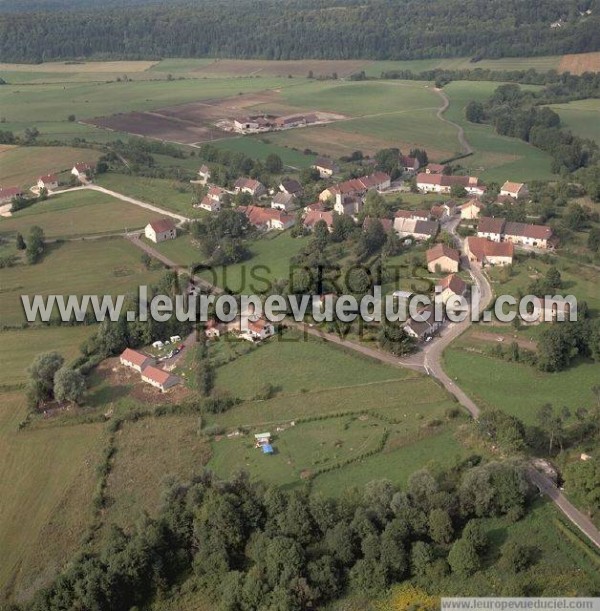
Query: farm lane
x: 125, y: 198
x: 462, y: 139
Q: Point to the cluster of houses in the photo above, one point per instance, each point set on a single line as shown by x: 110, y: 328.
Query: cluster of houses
x: 248, y: 328
x: 50, y: 182
x: 150, y: 373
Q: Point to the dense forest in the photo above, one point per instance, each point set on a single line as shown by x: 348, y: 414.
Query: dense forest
x: 296, y: 29
x: 250, y: 547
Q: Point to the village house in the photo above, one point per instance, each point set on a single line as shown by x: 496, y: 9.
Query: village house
x: 316, y: 207
x: 435, y: 168
x: 419, y: 230
x: 9, y: 193
x: 213, y: 329
x: 451, y: 285
x: 325, y: 167
x: 258, y: 330
x: 516, y: 190
x: 442, y: 258
x: 284, y: 201
x: 347, y: 204
x: 136, y: 360
x: 409, y: 164
x: 442, y: 212
x: 416, y: 215
x: 82, y: 171
x: 471, y: 210
x: 159, y: 378
x: 491, y: 228
x: 488, y: 253
x: 522, y: 234
x: 160, y: 230
x: 525, y: 234
x: 290, y: 186
x: 314, y: 216
x: 204, y: 174
x: 249, y: 185
x: 267, y: 218
x: 441, y: 183
x: 213, y: 200
x: 49, y: 182
x: 291, y: 121
x: 423, y: 329
x: 357, y: 186
x: 387, y: 224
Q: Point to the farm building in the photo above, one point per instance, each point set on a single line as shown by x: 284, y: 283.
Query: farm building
x: 443, y: 211
x: 9, y: 193
x: 160, y: 230
x: 49, y: 181
x: 159, y: 378
x: 440, y: 183
x: 435, y: 168
x: 347, y: 204
x: 485, y: 252
x: 419, y: 230
x: 415, y: 215
x: 515, y: 190
x: 523, y: 234
x: 325, y: 167
x: 136, y: 360
x: 443, y: 258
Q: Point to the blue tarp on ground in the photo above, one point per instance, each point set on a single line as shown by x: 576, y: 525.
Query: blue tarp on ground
x: 267, y: 449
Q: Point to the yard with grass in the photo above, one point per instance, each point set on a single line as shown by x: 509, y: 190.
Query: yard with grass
x: 94, y: 267
x: 22, y: 165
x: 270, y: 261
x: 75, y: 214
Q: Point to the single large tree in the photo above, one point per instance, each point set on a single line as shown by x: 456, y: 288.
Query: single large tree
x: 69, y: 385
x: 41, y: 376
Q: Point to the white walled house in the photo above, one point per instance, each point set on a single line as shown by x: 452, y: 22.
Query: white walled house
x: 49, y: 182
x: 160, y: 230
x: 135, y: 360
x: 515, y: 190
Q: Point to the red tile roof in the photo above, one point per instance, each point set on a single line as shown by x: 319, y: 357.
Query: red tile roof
x: 49, y: 178
x: 314, y: 216
x: 162, y: 225
x: 482, y: 248
x: 441, y: 250
x: 82, y: 167
x: 160, y: 376
x: 135, y: 357
x: 455, y: 283
x: 387, y: 224
x: 9, y: 192
x: 490, y: 224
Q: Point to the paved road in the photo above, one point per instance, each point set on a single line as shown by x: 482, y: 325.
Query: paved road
x: 547, y: 487
x: 430, y: 359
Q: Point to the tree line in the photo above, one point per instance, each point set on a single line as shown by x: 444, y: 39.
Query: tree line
x: 247, y: 546
x: 298, y: 29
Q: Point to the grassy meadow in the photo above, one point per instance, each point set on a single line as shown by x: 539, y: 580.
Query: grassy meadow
x: 582, y: 117
x: 75, y: 214
x: 84, y: 267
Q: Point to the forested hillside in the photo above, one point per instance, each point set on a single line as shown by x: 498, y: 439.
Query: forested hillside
x: 295, y: 29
